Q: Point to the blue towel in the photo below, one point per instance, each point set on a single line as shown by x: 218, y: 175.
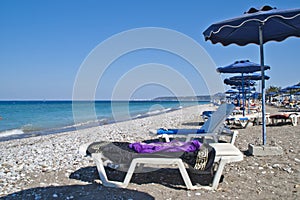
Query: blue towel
x: 174, y: 131
x: 207, y: 113
x: 244, y: 118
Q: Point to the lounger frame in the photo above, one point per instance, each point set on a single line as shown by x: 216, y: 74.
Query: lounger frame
x: 206, y: 136
x: 225, y: 153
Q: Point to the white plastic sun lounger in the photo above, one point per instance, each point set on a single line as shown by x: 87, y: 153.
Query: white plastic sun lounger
x: 213, y: 127
x: 241, y: 120
x: 225, y: 153
x: 294, y: 118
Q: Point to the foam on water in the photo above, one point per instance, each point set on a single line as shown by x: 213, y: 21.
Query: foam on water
x: 8, y: 133
x: 32, y: 118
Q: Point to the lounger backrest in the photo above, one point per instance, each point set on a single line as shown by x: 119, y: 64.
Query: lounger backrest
x: 216, y: 122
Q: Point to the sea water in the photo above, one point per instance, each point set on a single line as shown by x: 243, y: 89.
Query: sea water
x: 31, y: 118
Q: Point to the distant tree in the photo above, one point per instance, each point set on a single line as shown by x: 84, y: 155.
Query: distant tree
x: 298, y: 90
x: 272, y: 89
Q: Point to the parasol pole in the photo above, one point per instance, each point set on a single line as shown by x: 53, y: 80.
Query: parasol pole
x: 264, y: 136
x: 249, y: 97
x: 243, y: 92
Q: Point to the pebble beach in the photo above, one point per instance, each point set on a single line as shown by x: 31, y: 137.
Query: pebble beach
x: 50, y: 166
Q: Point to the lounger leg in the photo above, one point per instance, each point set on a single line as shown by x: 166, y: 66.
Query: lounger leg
x: 185, y: 176
x: 267, y: 120
x: 234, y: 135
x: 102, y: 173
x: 130, y: 172
x: 244, y: 123
x: 166, y: 136
x: 216, y: 139
x: 100, y: 167
x: 273, y: 121
x: 218, y: 174
x: 294, y: 120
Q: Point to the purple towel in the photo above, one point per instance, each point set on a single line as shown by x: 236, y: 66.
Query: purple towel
x: 173, y: 146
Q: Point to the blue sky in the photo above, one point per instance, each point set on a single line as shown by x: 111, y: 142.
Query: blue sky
x: 44, y: 43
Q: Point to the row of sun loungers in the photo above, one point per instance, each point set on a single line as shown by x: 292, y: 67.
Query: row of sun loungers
x: 271, y: 119
x: 255, y: 118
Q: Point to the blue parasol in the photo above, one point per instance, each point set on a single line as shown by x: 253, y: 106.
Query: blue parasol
x: 238, y: 82
x: 232, y: 91
x: 290, y: 89
x: 241, y: 66
x: 254, y: 77
x: 272, y: 93
x: 257, y: 26
x: 293, y: 87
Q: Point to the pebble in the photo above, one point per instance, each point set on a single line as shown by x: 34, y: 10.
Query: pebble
x: 276, y: 166
x: 288, y: 169
x: 189, y: 194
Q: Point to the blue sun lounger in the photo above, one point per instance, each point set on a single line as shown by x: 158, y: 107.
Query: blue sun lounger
x: 214, y: 127
x: 207, y: 114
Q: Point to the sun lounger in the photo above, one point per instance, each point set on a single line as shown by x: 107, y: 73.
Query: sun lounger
x: 244, y: 121
x: 207, y: 114
x: 238, y: 120
x: 241, y: 120
x: 214, y: 127
x: 285, y: 117
x: 223, y: 153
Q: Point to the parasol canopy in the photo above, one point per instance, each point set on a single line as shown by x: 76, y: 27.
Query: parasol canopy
x: 257, y: 26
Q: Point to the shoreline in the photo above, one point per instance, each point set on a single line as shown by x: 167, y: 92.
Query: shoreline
x: 19, y: 133
x: 50, y: 166
x: 126, y: 125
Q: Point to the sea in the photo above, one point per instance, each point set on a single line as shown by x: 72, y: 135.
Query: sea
x: 21, y: 119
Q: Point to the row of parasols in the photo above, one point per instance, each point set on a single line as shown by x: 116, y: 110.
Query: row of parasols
x: 287, y: 90
x: 242, y: 84
x: 257, y: 26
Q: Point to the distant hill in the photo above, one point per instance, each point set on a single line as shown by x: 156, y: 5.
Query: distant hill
x: 185, y: 98
x: 218, y: 96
